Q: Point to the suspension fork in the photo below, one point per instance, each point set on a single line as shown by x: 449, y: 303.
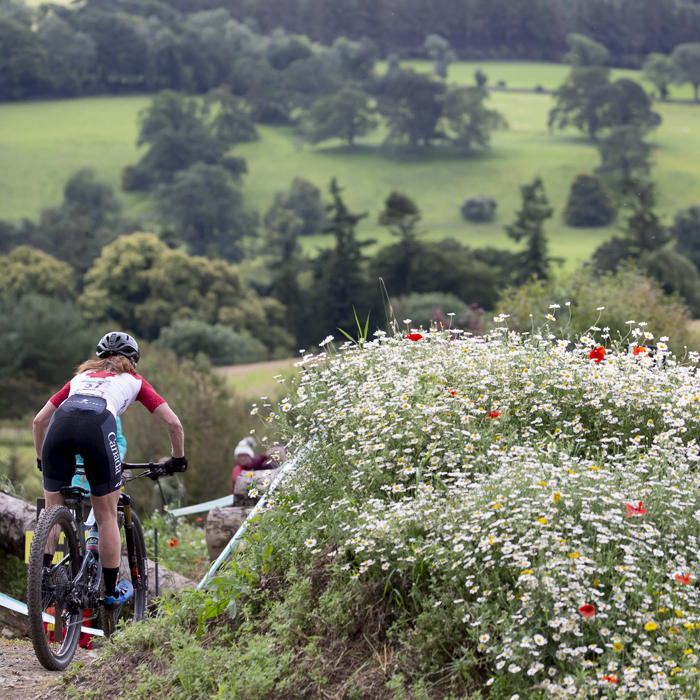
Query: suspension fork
x: 130, y: 545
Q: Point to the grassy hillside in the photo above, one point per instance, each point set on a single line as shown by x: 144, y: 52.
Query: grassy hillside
x: 42, y: 143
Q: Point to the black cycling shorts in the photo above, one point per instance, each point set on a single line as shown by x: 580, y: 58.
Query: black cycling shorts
x: 82, y: 425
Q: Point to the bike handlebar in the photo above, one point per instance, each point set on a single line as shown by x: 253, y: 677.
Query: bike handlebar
x: 154, y: 470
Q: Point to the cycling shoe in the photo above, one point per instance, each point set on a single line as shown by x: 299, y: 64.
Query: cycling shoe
x: 124, y: 592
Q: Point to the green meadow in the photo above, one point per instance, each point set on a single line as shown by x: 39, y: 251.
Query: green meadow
x: 42, y: 143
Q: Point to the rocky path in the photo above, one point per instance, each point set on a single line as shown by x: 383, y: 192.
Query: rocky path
x: 22, y: 677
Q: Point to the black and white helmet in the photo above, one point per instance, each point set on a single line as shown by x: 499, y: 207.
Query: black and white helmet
x: 118, y: 344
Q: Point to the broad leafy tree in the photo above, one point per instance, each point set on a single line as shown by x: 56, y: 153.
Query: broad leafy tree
x: 141, y: 285
x: 76, y: 231
x: 345, y: 115
x: 356, y: 58
x: 624, y: 155
x: 440, y: 53
x: 43, y: 339
x: 27, y: 270
x: 686, y: 58
x: 207, y: 211
x: 72, y: 56
x: 263, y: 87
x: 303, y: 199
x: 686, y: 231
x: 441, y: 266
x: 409, y: 103
x: 23, y: 61
x: 310, y: 79
x: 529, y: 225
x: 585, y: 52
x: 591, y: 103
x: 659, y: 70
x: 466, y: 120
x: 181, y: 131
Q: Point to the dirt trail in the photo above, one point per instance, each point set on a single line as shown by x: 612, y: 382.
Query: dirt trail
x: 22, y: 677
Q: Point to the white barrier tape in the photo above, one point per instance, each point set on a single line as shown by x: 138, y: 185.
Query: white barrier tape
x: 230, y: 547
x: 202, y: 507
x: 19, y: 607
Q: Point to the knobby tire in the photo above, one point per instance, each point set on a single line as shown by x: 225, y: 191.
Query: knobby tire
x: 51, y: 655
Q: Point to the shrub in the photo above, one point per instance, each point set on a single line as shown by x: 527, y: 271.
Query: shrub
x: 624, y: 295
x: 43, y: 340
x: 479, y: 209
x: 433, y: 308
x: 590, y: 203
x: 480, y: 77
x: 136, y: 179
x: 219, y: 343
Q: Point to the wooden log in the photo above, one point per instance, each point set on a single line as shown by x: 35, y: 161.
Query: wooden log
x: 16, y: 517
x: 222, y: 524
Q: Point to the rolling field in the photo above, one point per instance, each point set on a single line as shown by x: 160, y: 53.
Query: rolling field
x: 42, y: 143
x: 526, y: 75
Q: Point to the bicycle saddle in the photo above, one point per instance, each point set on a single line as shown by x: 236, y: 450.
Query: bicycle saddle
x: 74, y: 491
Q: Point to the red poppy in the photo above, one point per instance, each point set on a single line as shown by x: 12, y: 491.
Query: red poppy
x: 494, y: 414
x: 414, y: 336
x: 173, y: 543
x: 597, y: 355
x: 587, y: 611
x: 685, y: 580
x: 632, y: 511
x: 639, y: 350
x: 610, y: 679
x: 199, y: 520
x: 453, y: 392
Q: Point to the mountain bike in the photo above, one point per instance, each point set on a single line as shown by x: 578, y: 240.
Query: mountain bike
x: 70, y: 592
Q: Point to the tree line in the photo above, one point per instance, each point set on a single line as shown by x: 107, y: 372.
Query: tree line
x: 272, y: 55
x: 481, y: 29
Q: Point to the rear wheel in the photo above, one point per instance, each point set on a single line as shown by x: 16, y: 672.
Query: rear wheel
x: 135, y: 609
x: 55, y: 612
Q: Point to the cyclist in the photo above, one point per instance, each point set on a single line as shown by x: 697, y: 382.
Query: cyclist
x: 81, y: 419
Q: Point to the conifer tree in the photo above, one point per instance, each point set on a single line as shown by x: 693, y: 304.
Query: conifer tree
x: 340, y: 285
x: 533, y: 261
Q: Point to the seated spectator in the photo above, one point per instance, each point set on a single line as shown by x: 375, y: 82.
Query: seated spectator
x: 244, y: 456
x: 248, y: 461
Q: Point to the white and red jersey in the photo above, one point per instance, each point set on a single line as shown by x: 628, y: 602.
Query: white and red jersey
x: 118, y: 390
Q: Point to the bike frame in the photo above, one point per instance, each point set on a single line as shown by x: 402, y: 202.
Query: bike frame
x: 89, y: 596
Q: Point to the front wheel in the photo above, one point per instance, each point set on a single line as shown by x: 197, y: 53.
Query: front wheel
x: 55, y: 614
x: 135, y: 609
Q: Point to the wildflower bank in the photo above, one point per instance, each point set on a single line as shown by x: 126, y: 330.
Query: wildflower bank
x: 531, y: 505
